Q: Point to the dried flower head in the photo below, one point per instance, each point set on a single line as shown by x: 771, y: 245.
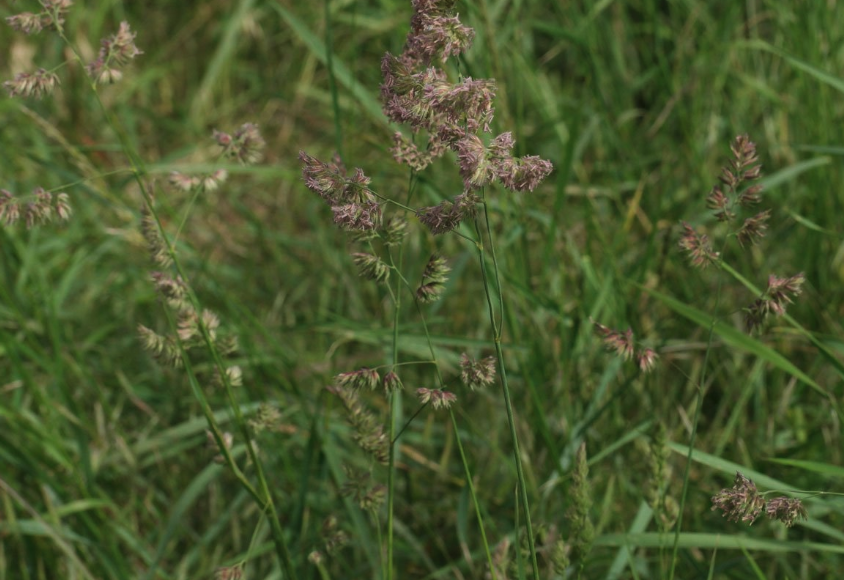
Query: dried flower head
x: 753, y: 228
x: 163, y: 348
x: 477, y: 374
x: 744, y: 165
x: 51, y: 16
x: 392, y: 383
x: 9, y: 208
x: 331, y: 183
x: 158, y: 249
x: 357, y: 216
x: 698, y: 247
x: 439, y: 399
x: 778, y: 295
x: 173, y: 290
x: 246, y: 146
x: 719, y: 202
x: 115, y: 51
x: 786, y: 510
x: 621, y: 342
x: 447, y: 215
x: 740, y: 502
x: 646, y: 358
x: 26, y: 22
x: 37, y: 84
x: 359, y: 379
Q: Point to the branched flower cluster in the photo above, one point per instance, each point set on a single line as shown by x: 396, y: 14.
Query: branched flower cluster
x: 418, y: 93
x: 779, y: 294
x: 370, y: 497
x: 192, y: 327
x: 477, y: 374
x: 246, y: 145
x: 438, y: 398
x: 52, y: 14
x: 743, y: 502
x: 433, y: 280
x: 353, y: 204
x: 115, y: 52
x: 624, y: 345
x: 368, y: 434
x: 42, y: 208
x: 737, y: 190
x: 360, y: 379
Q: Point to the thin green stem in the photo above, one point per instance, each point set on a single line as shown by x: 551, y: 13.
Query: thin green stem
x: 506, y: 390
x: 475, y: 501
x: 701, y: 392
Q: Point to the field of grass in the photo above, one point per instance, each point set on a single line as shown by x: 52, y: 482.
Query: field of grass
x: 107, y: 468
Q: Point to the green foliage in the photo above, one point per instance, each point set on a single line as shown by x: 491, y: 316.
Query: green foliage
x: 106, y: 467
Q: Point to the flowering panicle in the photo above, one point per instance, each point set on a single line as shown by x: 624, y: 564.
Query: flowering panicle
x: 778, y: 295
x: 40, y: 210
x: 415, y: 93
x: 163, y: 348
x: 753, y: 228
x: 433, y: 280
x: 582, y: 530
x: 52, y: 14
x: 267, y: 418
x: 744, y: 166
x: 477, y: 374
x: 698, y: 247
x: 404, y: 151
x: 37, y: 84
x: 439, y: 399
x: 357, y: 216
x: 246, y: 146
x: 370, y: 497
x: 743, y: 502
x: 156, y: 244
x: 234, y: 377
x: 189, y: 329
x: 332, y: 536
x: 392, y: 383
x: 202, y: 183
x: 354, y: 206
x: 173, y: 290
x: 359, y: 379
x: 447, y: 215
x: 115, y: 51
x: 787, y: 510
x: 368, y: 434
x: 371, y: 267
x: 624, y: 346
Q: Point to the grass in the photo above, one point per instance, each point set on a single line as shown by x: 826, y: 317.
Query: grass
x: 106, y: 470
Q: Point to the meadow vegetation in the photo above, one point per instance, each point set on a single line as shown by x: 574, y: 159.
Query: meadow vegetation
x: 226, y: 352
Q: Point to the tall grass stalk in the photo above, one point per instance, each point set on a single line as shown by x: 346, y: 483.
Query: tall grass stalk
x: 263, y: 496
x: 497, y: 330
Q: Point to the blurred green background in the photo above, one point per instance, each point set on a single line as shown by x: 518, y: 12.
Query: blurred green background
x: 105, y: 469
